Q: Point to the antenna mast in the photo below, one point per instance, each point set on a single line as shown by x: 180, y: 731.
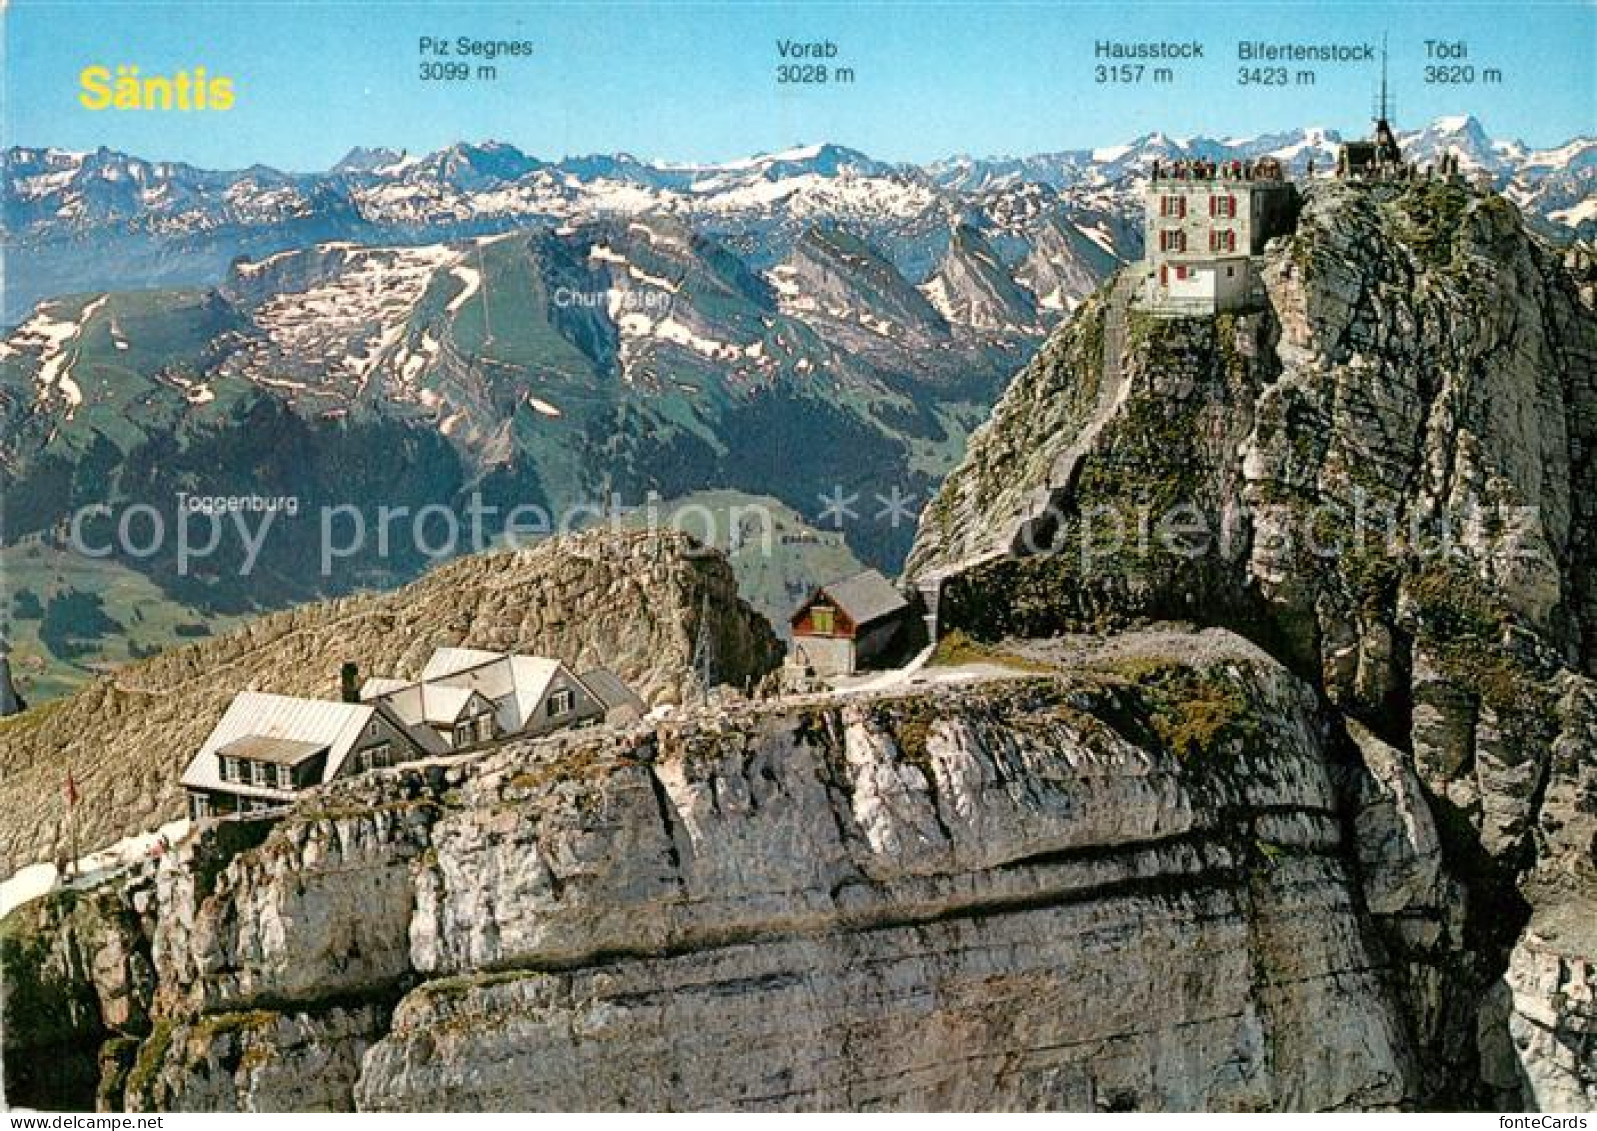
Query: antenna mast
x: 1383, y: 104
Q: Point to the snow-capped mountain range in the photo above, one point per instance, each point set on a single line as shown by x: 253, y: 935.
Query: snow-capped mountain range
x: 408, y: 328
x: 167, y: 222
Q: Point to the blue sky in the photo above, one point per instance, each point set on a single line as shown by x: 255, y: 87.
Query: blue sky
x: 696, y: 81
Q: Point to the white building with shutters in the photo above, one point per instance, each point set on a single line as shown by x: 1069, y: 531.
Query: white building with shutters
x: 1205, y: 224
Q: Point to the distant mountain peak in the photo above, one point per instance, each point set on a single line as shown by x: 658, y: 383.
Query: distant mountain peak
x: 364, y: 159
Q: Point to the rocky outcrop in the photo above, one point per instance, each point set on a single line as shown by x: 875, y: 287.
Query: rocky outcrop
x: 972, y: 287
x: 629, y: 601
x: 254, y: 1060
x: 1424, y: 366
x: 1547, y: 1001
x: 77, y: 973
x: 1065, y: 265
x: 1385, y: 478
x: 1130, y: 887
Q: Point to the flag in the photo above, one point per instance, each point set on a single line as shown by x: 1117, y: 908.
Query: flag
x: 72, y: 789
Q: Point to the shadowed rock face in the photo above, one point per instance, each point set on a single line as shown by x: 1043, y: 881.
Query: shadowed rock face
x: 1130, y: 887
x: 1420, y: 397
x: 627, y: 601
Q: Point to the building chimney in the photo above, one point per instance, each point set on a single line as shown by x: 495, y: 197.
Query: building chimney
x: 349, y: 681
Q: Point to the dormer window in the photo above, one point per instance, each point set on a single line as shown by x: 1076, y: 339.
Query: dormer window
x: 561, y: 703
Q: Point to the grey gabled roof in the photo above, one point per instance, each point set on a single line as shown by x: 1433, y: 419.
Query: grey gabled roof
x: 437, y: 704
x: 503, y: 678
x: 280, y: 751
x: 609, y: 689
x: 865, y: 597
x: 377, y: 686
x: 254, y: 714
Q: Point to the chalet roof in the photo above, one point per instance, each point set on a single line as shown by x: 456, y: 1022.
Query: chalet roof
x: 377, y: 686
x: 332, y: 726
x: 437, y: 704
x: 865, y: 597
x: 281, y: 751
x: 515, y: 684
x: 448, y: 661
x: 609, y: 689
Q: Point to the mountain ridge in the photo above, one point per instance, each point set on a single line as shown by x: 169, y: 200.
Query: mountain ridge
x: 477, y: 188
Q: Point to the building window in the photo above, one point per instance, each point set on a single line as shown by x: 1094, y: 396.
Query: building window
x: 485, y: 727
x: 1173, y: 241
x: 258, y: 772
x: 560, y: 703
x: 230, y: 770
x: 285, y: 777
x: 463, y: 734
x: 374, y: 757
x: 821, y: 619
x: 199, y: 806
x: 371, y: 729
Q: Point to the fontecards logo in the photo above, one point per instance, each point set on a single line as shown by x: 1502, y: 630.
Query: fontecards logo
x: 126, y: 89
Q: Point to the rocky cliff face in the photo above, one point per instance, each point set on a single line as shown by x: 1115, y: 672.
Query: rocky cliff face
x: 627, y: 601
x: 1133, y: 886
x: 1386, y: 478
